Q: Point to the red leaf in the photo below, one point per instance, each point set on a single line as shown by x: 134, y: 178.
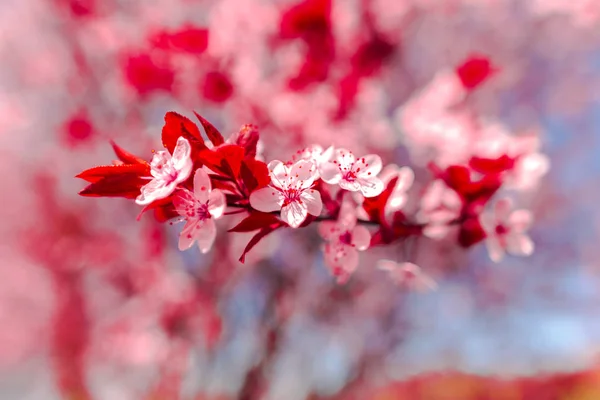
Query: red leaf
x: 96, y: 174
x: 231, y: 158
x: 125, y: 156
x: 122, y: 185
x: 256, y: 220
x: 475, y: 71
x: 492, y: 165
x: 254, y: 174
x: 177, y: 125
x: 257, y: 238
x: 212, y: 133
x: 471, y: 232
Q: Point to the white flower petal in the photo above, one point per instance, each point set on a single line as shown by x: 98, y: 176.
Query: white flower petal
x: 279, y: 173
x: 181, y: 155
x: 495, y: 249
x: 341, y: 257
x: 266, y: 199
x: 361, y: 237
x: 186, y: 237
x: 330, y: 172
x: 368, y: 166
x: 216, y: 203
x: 205, y: 234
x: 519, y: 244
x: 312, y: 199
x: 353, y: 186
x: 202, y: 185
x: 294, y: 214
x: 371, y: 187
x: 184, y: 202
x: 155, y: 190
x: 520, y: 220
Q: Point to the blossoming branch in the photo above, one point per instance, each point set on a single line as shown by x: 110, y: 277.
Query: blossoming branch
x: 355, y: 201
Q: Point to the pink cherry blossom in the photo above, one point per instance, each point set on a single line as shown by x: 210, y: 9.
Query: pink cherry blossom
x: 353, y: 174
x: 408, y: 274
x: 439, y: 206
x: 314, y: 153
x: 199, y: 209
x: 290, y: 191
x: 168, y: 171
x: 344, y: 240
x: 505, y: 229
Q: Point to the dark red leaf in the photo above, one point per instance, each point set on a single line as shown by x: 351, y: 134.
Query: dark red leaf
x: 257, y: 238
x: 96, y: 174
x: 254, y: 174
x: 231, y: 159
x: 256, y: 220
x: 122, y: 185
x: 177, y: 125
x: 125, y: 156
x: 212, y: 133
x: 471, y: 232
x: 492, y: 165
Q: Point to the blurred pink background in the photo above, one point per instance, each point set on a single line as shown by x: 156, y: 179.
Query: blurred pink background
x: 97, y: 305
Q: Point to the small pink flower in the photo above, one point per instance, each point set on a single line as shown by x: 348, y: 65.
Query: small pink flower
x: 199, y: 209
x: 408, y: 274
x: 505, y: 229
x: 168, y: 171
x: 439, y: 206
x: 353, y: 174
x: 290, y: 191
x: 314, y: 153
x: 345, y: 239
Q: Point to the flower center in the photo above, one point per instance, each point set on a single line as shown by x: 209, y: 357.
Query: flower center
x: 501, y: 229
x: 346, y: 238
x: 350, y: 176
x: 291, y: 196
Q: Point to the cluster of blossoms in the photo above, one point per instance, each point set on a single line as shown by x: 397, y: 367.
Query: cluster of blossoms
x: 356, y: 202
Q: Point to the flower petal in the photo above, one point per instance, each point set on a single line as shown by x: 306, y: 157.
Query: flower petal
x: 502, y: 209
x: 361, y: 237
x: 368, y: 166
x: 353, y: 186
x: 266, y: 199
x: 202, y: 185
x: 216, y: 203
x: 186, y: 237
x: 303, y: 171
x: 330, y: 172
x: 294, y: 214
x: 155, y: 190
x: 329, y: 230
x: 519, y: 244
x: 371, y: 187
x: 312, y: 200
x: 184, y: 202
x: 520, y: 220
x: 205, y: 234
x: 345, y: 159
x: 279, y: 173
x: 181, y: 154
x: 495, y: 249
x: 340, y: 258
